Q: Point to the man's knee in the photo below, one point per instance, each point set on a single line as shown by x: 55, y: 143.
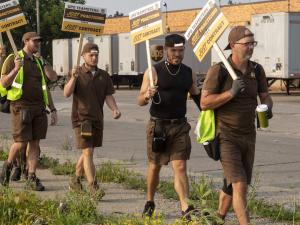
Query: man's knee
x: 179, y: 166
x: 21, y: 145
x: 154, y: 168
x: 227, y: 190
x: 88, y: 152
x: 239, y: 187
x: 34, y: 145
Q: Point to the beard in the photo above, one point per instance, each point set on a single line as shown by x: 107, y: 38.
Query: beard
x: 90, y: 64
x: 245, y: 56
x: 170, y: 60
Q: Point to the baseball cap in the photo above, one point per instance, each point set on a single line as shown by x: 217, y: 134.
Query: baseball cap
x: 88, y: 47
x: 236, y: 34
x: 32, y: 36
x: 174, y: 40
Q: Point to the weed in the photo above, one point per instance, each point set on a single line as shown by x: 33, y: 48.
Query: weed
x: 292, y: 186
x: 4, y: 148
x: 46, y: 162
x: 67, y: 143
x: 68, y: 168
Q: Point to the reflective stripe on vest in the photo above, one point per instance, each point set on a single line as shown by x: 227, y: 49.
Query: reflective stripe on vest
x: 16, y: 91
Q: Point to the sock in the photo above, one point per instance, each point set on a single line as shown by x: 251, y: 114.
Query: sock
x: 221, y: 216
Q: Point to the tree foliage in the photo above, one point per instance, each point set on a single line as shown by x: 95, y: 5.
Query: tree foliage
x: 117, y: 14
x: 51, y: 17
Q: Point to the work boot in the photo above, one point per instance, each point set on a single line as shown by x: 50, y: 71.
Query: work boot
x: 96, y: 192
x: 33, y: 184
x: 76, y: 185
x: 26, y: 176
x: 149, y: 209
x: 17, y: 174
x: 5, y: 174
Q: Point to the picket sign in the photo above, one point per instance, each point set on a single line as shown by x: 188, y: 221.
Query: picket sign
x: 146, y: 23
x: 205, y: 30
x: 84, y: 20
x: 12, y: 17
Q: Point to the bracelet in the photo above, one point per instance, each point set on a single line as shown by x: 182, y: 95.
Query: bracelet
x: 53, y: 110
x: 15, y: 72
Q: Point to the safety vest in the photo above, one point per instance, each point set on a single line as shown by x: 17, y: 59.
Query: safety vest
x: 16, y: 91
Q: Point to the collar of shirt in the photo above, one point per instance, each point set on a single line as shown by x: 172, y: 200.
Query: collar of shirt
x: 87, y: 71
x: 249, y: 68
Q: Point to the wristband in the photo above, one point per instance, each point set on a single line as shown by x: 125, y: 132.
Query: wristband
x: 15, y: 72
x: 53, y: 110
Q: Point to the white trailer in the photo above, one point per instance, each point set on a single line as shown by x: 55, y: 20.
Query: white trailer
x: 133, y: 58
x: 75, y: 43
x: 278, y: 48
x: 108, y: 53
x: 62, y: 56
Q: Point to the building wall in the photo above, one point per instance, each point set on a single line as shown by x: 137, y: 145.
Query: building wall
x: 236, y: 14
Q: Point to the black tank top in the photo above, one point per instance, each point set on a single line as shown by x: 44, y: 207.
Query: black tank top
x: 173, y: 91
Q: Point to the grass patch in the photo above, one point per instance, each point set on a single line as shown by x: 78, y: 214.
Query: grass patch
x: 46, y: 162
x: 4, y: 148
x: 68, y: 168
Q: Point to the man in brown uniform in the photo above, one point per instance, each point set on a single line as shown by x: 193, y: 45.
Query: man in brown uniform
x: 235, y: 116
x: 90, y: 87
x: 23, y: 80
x: 168, y: 122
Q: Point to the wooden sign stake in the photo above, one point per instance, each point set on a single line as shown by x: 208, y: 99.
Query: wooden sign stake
x: 149, y: 62
x: 1, y: 42
x: 13, y: 45
x: 79, y: 50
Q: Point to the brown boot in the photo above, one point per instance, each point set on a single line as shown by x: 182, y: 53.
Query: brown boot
x: 96, y: 192
x: 76, y: 185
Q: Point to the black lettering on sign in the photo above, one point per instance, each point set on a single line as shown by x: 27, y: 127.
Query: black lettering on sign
x: 71, y: 27
x: 157, y: 52
x: 11, y: 24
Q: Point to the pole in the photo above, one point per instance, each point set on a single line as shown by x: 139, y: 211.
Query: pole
x: 149, y: 62
x: 1, y: 42
x: 38, y: 21
x: 13, y: 45
x: 79, y: 50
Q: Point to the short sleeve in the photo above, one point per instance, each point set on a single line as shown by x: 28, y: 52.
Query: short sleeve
x: 109, y: 86
x: 9, y: 65
x: 263, y: 84
x: 211, y: 84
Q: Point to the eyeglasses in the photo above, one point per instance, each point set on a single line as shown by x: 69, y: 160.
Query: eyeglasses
x: 36, y: 41
x: 248, y: 44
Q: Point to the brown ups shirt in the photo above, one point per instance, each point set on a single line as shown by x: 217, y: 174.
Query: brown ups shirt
x: 89, y: 96
x: 237, y: 115
x: 32, y: 96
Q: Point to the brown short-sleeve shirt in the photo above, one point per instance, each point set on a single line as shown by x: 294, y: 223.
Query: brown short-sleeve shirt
x: 89, y: 96
x: 32, y: 95
x: 238, y: 114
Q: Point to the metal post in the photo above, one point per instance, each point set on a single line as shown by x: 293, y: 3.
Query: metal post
x: 38, y: 22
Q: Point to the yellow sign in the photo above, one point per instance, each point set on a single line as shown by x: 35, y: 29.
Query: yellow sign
x: 11, y: 15
x: 206, y: 29
x: 146, y: 23
x: 84, y: 19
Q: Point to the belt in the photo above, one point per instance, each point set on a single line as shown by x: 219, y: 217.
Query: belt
x: 172, y: 121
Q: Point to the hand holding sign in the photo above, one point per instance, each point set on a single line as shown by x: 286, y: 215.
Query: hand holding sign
x: 83, y: 19
x: 146, y: 23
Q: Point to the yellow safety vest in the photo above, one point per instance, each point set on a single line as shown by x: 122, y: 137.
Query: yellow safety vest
x: 16, y: 91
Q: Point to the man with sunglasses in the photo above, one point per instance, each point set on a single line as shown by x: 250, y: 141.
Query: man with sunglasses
x: 235, y: 106
x: 23, y: 81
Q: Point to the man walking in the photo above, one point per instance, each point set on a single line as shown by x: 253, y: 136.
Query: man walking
x: 235, y: 116
x: 90, y: 87
x: 23, y: 81
x: 168, y: 130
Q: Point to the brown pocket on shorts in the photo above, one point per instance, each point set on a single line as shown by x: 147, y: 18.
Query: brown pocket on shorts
x: 86, y: 130
x: 25, y: 116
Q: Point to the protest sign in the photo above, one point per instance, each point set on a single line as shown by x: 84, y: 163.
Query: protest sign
x: 145, y: 24
x: 205, y: 30
x: 11, y: 16
x: 84, y: 20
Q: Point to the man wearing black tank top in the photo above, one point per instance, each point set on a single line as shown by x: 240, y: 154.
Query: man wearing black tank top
x: 173, y: 80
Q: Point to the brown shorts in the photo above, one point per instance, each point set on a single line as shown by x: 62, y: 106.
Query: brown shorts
x: 94, y: 141
x: 237, y: 157
x: 178, y: 143
x: 35, y: 130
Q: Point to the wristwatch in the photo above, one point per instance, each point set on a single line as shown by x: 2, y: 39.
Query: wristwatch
x: 53, y: 110
x: 45, y: 63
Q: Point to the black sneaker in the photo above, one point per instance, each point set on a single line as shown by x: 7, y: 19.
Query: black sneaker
x: 5, y: 174
x: 33, y: 184
x: 149, y: 209
x: 17, y: 174
x: 26, y: 176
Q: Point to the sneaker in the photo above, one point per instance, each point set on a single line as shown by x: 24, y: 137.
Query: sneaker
x: 33, y: 184
x: 5, y: 174
x: 76, y: 185
x: 96, y: 192
x: 17, y: 174
x: 149, y: 209
x: 25, y: 172
x: 192, y: 211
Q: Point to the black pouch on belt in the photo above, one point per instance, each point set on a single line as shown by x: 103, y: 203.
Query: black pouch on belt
x: 212, y: 148
x: 86, y: 130
x: 158, y: 141
x: 25, y: 116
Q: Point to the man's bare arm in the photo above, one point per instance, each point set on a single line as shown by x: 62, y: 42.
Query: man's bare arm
x: 7, y: 79
x: 147, y: 91
x: 214, y: 101
x: 70, y: 86
x: 265, y: 98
